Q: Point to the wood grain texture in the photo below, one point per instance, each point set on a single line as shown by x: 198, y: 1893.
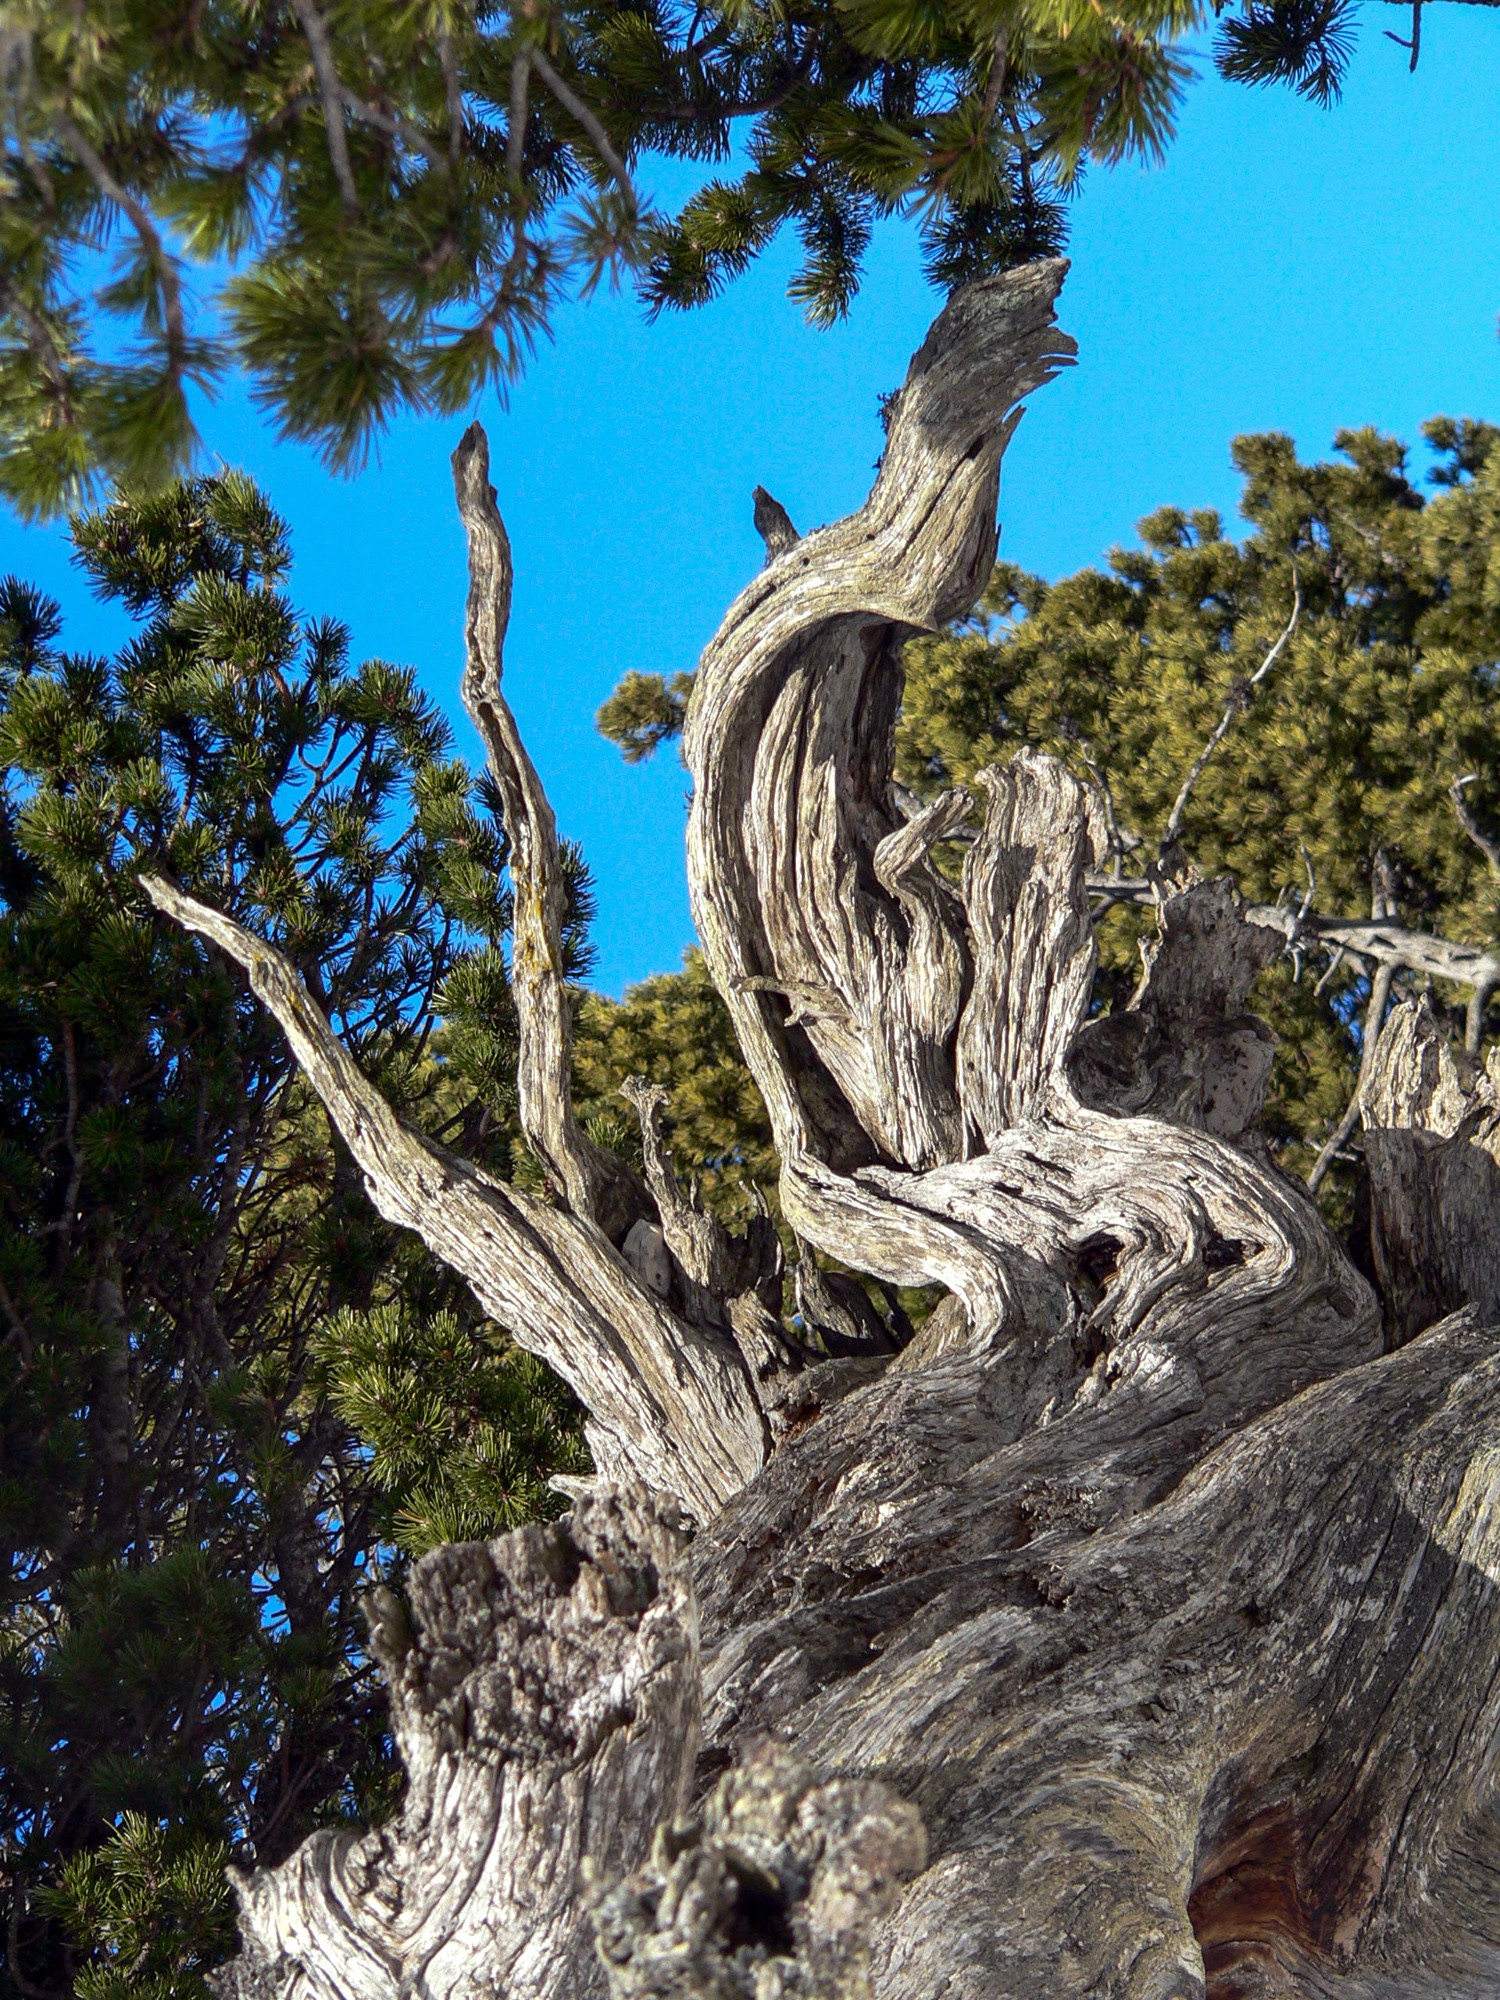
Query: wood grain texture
x: 1141, y: 1614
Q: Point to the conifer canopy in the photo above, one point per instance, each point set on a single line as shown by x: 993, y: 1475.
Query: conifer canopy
x: 381, y: 205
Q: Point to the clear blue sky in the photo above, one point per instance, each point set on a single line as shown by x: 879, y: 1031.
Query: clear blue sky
x: 1288, y: 268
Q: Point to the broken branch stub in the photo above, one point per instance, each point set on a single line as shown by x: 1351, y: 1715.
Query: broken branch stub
x: 545, y: 1703
x: 1432, y: 1146
x: 774, y: 1894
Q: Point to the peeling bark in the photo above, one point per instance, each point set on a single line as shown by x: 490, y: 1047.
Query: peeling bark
x: 1142, y: 1609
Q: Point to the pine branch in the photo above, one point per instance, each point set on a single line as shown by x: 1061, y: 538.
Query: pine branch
x: 145, y: 229
x: 315, y: 31
x: 585, y: 116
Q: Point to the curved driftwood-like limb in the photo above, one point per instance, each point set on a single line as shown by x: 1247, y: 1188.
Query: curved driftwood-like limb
x: 666, y: 1402
x: 788, y: 738
x: 774, y: 1895
x: 1432, y: 1145
x: 595, y: 1184
x: 545, y: 1704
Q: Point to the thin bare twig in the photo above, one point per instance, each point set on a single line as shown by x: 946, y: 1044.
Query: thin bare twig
x: 520, y: 90
x: 1382, y: 905
x: 320, y: 47
x: 1238, y: 699
x: 393, y: 125
x: 1489, y: 848
x: 455, y: 95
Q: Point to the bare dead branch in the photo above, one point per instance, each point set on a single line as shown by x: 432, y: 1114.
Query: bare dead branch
x: 520, y: 94
x: 392, y: 125
x: 454, y: 92
x: 1382, y: 904
x: 1375, y: 940
x: 647, y: 1381
x: 594, y: 1184
x: 1239, y: 699
x: 1489, y: 848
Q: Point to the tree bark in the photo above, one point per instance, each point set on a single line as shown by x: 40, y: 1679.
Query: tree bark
x: 1133, y: 1630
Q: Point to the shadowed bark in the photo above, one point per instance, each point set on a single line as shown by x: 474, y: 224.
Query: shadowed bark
x: 1134, y: 1629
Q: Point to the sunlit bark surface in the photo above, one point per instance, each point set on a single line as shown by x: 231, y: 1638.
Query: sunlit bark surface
x: 1133, y: 1630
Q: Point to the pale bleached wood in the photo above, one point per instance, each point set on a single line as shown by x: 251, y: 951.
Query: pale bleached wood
x: 1140, y: 1590
x: 596, y: 1185
x: 544, y: 1697
x: 1432, y: 1143
x: 668, y: 1403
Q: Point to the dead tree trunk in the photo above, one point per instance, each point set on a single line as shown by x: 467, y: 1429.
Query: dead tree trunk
x: 1135, y: 1629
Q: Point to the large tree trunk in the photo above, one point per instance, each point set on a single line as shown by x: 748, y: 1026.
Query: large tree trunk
x: 1135, y: 1629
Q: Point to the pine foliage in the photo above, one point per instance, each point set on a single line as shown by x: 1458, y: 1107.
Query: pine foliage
x: 676, y: 1030
x: 212, y: 1419
x: 383, y: 204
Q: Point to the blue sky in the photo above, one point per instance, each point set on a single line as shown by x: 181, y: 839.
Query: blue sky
x: 1287, y: 268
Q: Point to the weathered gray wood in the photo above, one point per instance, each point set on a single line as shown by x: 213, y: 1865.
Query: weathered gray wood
x: 595, y: 1184
x: 667, y: 1403
x: 1432, y: 1143
x: 545, y: 1700
x: 1140, y: 1590
x: 773, y: 1895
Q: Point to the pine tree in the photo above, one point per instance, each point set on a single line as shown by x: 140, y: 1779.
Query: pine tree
x: 387, y: 202
x: 228, y: 1397
x: 1366, y: 762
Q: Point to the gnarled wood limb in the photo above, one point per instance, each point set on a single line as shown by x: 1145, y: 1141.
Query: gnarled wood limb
x: 788, y: 740
x: 1169, y: 1601
x: 545, y: 1703
x: 1248, y: 1716
x: 666, y: 1402
x: 595, y: 1184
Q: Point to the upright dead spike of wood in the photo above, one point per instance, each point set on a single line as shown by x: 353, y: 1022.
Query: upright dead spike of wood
x: 597, y: 1186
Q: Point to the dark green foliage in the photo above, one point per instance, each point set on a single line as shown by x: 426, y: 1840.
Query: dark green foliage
x: 1306, y: 43
x: 645, y: 711
x: 463, y: 1440
x: 196, y: 1353
x: 1386, y: 696
x: 387, y: 202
